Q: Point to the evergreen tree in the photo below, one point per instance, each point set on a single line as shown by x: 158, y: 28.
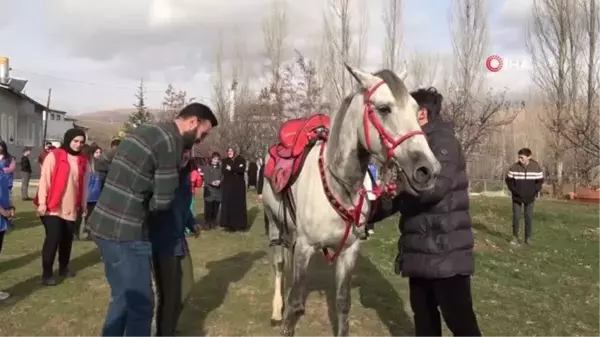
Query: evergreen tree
x: 141, y: 115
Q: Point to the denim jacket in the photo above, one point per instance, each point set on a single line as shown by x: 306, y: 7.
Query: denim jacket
x: 167, y: 228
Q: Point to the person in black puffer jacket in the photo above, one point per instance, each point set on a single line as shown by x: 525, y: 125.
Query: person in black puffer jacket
x: 436, y: 241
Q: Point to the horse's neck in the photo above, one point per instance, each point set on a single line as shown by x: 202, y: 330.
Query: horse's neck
x: 346, y: 168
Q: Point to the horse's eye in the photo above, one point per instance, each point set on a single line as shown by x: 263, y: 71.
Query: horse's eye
x: 384, y: 109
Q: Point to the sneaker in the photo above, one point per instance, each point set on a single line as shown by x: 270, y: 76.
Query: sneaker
x: 514, y: 241
x: 528, y: 241
x: 66, y: 273
x: 371, y: 232
x: 4, y: 296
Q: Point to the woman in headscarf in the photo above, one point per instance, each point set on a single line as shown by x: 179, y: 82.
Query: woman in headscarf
x: 7, y: 165
x: 62, y: 195
x: 233, y: 207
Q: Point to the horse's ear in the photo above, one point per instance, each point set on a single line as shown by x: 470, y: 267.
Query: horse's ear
x: 361, y: 77
x: 402, y: 75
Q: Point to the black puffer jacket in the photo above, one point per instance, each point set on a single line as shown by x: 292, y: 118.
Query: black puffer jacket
x: 436, y: 239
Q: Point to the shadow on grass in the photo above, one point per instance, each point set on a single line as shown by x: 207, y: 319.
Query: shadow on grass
x: 18, y: 262
x: 25, y: 220
x: 252, y: 215
x: 22, y: 290
x: 486, y: 230
x: 209, y: 293
x: 376, y: 293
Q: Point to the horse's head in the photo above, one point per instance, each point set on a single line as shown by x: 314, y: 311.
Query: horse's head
x: 390, y: 131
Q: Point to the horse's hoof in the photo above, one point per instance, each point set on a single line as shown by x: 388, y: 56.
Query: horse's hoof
x: 275, y: 322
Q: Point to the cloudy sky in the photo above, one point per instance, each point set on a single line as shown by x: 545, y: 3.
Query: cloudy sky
x: 93, y: 53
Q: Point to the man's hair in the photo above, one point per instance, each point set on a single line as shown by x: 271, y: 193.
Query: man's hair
x: 524, y: 152
x: 47, y: 144
x: 429, y: 99
x: 200, y: 111
x: 115, y: 142
x: 215, y: 155
x: 27, y: 148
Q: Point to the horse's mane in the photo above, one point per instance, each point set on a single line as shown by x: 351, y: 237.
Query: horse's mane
x: 336, y: 123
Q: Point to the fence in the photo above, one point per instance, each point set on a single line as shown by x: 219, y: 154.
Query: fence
x: 487, y: 187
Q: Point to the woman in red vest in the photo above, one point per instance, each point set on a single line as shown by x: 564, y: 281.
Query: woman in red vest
x: 62, y: 194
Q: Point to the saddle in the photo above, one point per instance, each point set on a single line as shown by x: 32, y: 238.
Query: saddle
x: 287, y: 156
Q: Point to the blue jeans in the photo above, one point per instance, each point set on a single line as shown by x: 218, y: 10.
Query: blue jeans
x: 127, y: 267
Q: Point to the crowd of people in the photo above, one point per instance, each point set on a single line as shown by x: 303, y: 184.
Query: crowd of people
x: 135, y: 201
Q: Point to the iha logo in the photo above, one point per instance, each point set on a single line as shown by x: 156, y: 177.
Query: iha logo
x: 494, y: 63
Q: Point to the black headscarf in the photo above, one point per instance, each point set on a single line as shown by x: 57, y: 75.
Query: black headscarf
x: 68, y: 137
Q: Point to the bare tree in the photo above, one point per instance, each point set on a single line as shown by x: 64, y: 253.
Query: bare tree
x: 552, y: 45
x: 275, y: 32
x: 469, y: 41
x: 345, y: 40
x: 422, y: 69
x: 173, y: 102
x: 392, y: 20
x: 475, y: 114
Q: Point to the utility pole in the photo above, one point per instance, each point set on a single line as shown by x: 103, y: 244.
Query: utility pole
x: 45, y: 117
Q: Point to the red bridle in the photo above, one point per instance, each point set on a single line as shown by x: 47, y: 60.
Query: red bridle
x: 387, y: 140
x: 351, y: 215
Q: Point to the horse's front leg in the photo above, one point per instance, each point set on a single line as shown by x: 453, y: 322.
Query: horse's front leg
x: 295, y: 304
x: 343, y: 273
x: 278, y: 260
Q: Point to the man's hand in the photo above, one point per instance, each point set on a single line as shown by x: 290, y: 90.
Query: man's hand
x: 228, y: 168
x: 196, y: 230
x: 260, y: 197
x: 216, y: 183
x: 41, y: 210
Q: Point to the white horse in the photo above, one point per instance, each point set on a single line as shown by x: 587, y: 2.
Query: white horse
x: 317, y: 212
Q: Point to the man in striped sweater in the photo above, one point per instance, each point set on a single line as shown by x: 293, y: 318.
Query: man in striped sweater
x: 524, y: 180
x: 141, y: 180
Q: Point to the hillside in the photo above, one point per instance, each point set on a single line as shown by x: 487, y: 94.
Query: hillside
x: 104, y: 125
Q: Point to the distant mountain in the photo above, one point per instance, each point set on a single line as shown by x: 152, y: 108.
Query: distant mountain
x: 104, y: 125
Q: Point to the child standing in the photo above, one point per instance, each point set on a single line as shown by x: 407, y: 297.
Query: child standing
x: 6, y: 213
x: 196, y: 181
x: 212, y: 190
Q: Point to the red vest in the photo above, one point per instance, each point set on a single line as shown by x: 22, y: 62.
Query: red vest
x: 60, y: 174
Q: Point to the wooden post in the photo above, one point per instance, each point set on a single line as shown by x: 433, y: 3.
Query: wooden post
x: 45, y: 117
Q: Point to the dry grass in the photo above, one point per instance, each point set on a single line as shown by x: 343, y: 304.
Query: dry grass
x: 550, y: 288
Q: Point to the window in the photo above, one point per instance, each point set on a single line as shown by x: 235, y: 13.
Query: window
x: 51, y: 117
x: 11, y: 130
x: 58, y: 117
x: 3, y: 127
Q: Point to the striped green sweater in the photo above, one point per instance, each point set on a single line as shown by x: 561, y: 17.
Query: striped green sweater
x: 142, y: 178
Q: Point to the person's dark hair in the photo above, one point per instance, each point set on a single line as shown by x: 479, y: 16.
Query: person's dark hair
x: 7, y: 155
x: 26, y: 148
x: 215, y: 155
x: 47, y: 144
x: 200, y: 111
x: 115, y: 142
x: 429, y: 99
x: 524, y: 152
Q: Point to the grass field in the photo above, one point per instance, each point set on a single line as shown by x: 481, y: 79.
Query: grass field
x: 550, y: 288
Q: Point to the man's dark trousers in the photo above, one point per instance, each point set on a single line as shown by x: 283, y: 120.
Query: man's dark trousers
x: 527, y: 208
x: 128, y: 272
x: 452, y: 296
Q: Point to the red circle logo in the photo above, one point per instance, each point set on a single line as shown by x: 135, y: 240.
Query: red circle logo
x: 494, y: 63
